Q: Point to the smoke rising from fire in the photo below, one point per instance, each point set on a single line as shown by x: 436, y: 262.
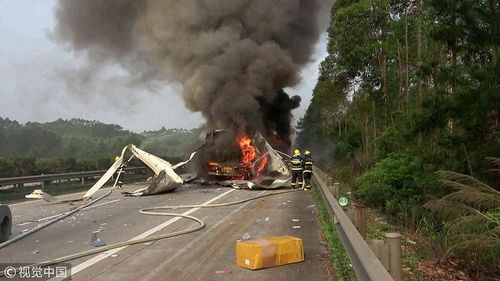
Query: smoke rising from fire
x: 233, y: 57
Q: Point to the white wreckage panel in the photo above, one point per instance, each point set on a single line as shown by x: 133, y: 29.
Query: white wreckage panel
x: 165, y: 180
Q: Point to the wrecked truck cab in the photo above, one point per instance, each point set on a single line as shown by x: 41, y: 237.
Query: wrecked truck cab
x: 229, y: 170
x: 254, y: 158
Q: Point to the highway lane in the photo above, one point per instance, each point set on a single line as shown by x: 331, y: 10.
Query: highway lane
x: 194, y: 256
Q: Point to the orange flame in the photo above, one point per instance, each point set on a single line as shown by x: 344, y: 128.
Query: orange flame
x: 247, y: 150
x: 262, y: 164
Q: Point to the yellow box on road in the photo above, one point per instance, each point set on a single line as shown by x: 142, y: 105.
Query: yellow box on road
x: 269, y: 252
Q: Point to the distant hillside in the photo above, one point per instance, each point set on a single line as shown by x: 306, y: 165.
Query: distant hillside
x: 83, y: 139
x: 171, y: 142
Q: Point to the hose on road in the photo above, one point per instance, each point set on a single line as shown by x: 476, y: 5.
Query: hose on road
x: 61, y: 217
x: 154, y: 212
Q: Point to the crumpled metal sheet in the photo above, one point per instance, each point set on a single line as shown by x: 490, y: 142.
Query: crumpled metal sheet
x: 275, y: 160
x: 109, y: 173
x: 255, y: 184
x: 166, y: 179
x: 40, y: 194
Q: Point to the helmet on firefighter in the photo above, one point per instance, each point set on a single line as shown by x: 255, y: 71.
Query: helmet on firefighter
x: 296, y: 152
x: 307, y: 152
x: 116, y: 158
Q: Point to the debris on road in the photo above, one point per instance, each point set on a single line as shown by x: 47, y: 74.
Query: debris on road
x: 267, y: 219
x: 246, y: 236
x: 227, y: 271
x: 295, y: 220
x: 95, y: 241
x: 35, y: 252
x: 311, y: 206
x: 296, y: 226
x: 269, y: 252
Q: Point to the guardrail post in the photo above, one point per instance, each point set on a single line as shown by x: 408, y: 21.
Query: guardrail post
x: 361, y: 219
x: 393, y: 241
x: 329, y: 185
x: 336, y: 190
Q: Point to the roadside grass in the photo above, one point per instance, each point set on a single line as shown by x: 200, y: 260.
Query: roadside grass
x: 342, y: 266
x: 414, y: 254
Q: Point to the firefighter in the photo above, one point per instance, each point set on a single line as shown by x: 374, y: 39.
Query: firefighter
x: 307, y: 173
x: 296, y: 162
x: 120, y: 173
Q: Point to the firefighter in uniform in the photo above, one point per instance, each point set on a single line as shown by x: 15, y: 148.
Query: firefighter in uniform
x: 296, y: 162
x: 120, y: 174
x: 308, y: 165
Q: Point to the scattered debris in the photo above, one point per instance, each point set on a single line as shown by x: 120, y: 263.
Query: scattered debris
x: 36, y: 241
x: 70, y: 241
x: 295, y: 220
x: 246, y: 236
x: 259, y: 220
x: 148, y: 243
x: 297, y: 226
x: 125, y: 225
x: 114, y: 255
x: 95, y: 241
x: 35, y: 252
x: 103, y: 224
x: 311, y: 206
x: 226, y: 271
x: 267, y: 219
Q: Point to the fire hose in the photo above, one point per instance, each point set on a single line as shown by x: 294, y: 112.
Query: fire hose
x: 146, y: 211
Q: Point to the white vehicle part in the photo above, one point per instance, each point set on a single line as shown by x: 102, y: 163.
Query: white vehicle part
x: 166, y: 179
x: 109, y: 173
x: 275, y: 161
x: 39, y: 194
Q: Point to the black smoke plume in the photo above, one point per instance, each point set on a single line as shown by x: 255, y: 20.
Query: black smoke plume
x: 233, y: 57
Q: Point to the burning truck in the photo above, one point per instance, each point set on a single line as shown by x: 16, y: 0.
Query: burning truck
x: 254, y: 157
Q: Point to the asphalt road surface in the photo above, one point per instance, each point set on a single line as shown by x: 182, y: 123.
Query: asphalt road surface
x: 193, y: 256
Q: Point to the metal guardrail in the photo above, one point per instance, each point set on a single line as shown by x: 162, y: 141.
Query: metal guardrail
x: 365, y: 263
x: 52, y: 177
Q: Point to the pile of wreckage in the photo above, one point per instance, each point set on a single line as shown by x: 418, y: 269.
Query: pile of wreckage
x: 261, y: 167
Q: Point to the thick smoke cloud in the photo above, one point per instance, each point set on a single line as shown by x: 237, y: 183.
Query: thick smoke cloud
x: 233, y: 57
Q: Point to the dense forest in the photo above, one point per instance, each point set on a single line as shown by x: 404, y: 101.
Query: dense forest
x: 410, y: 88
x: 78, y: 145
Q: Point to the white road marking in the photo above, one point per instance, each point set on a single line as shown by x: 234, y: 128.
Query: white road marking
x: 188, y: 246
x: 106, y: 254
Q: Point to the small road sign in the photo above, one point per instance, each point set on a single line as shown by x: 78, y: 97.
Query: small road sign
x: 343, y: 201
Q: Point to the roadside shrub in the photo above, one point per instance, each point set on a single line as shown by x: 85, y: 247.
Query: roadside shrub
x: 397, y: 185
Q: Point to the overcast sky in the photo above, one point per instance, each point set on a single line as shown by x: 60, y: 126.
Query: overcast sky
x: 32, y: 89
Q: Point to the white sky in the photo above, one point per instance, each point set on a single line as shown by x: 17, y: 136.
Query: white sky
x: 31, y: 88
